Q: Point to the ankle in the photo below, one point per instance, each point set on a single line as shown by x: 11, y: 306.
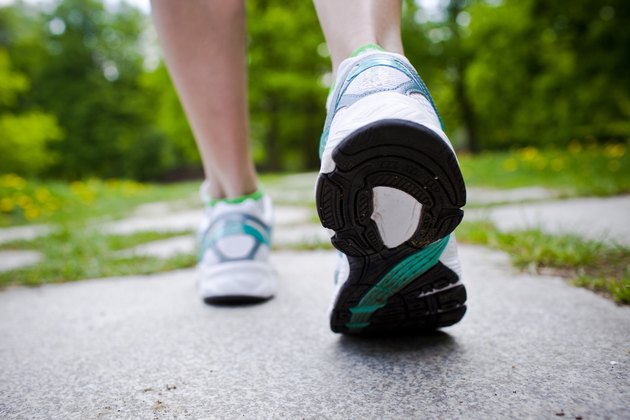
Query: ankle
x: 211, y: 193
x: 256, y: 195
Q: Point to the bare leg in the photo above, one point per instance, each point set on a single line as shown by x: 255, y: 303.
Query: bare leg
x: 349, y: 24
x: 204, y: 44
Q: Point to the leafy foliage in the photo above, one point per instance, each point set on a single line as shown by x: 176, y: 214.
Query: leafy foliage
x: 84, y: 65
x: 550, y: 72
x: 78, y: 100
x: 25, y: 136
x: 286, y: 92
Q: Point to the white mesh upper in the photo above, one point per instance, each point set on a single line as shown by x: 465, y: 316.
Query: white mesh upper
x: 236, y: 246
x: 379, y: 77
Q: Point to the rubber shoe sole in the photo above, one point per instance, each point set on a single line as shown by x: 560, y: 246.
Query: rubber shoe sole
x: 422, y: 294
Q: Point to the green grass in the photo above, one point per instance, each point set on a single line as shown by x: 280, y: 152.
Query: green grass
x: 79, y: 252
x: 595, y: 265
x: 76, y: 249
x: 24, y: 201
x: 577, y: 170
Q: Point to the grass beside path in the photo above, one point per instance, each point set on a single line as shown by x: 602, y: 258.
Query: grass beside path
x: 597, y: 266
x: 80, y: 252
x: 76, y: 249
x: 75, y: 253
x: 578, y: 170
x: 24, y: 201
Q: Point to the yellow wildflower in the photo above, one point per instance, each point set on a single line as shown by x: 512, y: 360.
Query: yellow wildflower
x: 13, y: 181
x: 557, y: 164
x: 83, y: 191
x: 7, y: 205
x: 529, y: 153
x: 614, y: 150
x: 31, y: 213
x: 510, y: 165
x: 23, y: 201
x: 42, y: 194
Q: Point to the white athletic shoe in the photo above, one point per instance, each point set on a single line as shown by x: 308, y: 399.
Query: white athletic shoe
x: 234, y: 244
x: 391, y: 190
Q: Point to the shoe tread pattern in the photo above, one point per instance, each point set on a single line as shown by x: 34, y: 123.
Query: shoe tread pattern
x: 427, y: 303
x: 392, y: 153
x: 412, y: 158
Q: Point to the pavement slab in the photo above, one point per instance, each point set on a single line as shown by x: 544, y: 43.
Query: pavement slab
x: 164, y: 248
x: 600, y: 219
x: 22, y: 232
x: 488, y: 196
x: 291, y: 236
x: 300, y: 189
x: 191, y: 219
x: 12, y: 259
x: 145, y: 347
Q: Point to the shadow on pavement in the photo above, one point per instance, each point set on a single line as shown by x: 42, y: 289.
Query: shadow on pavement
x: 429, y: 344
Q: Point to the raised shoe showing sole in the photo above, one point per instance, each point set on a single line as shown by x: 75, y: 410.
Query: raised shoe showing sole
x: 405, y: 288
x: 391, y: 192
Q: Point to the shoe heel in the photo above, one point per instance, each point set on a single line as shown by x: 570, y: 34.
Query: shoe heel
x: 397, y: 154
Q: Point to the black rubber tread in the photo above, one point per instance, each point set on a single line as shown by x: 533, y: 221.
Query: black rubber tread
x: 234, y: 300
x: 412, y: 158
x: 398, y: 154
x: 427, y: 303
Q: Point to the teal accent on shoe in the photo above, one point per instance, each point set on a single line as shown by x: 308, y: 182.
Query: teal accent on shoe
x: 416, y: 84
x: 322, y: 141
x: 357, y: 325
x: 240, y: 225
x: 236, y: 228
x: 366, y: 47
x: 364, y: 309
x: 251, y: 231
x: 395, y: 280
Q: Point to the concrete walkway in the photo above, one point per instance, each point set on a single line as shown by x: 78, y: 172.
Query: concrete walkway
x: 600, y: 219
x: 145, y: 347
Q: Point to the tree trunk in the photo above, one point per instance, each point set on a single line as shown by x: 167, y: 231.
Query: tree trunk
x: 273, y: 161
x: 466, y: 110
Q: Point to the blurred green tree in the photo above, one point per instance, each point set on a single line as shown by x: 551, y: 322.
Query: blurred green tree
x: 525, y: 72
x: 433, y: 43
x: 90, y: 81
x: 85, y: 65
x: 503, y: 73
x: 547, y: 73
x: 287, y: 60
x: 24, y: 136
